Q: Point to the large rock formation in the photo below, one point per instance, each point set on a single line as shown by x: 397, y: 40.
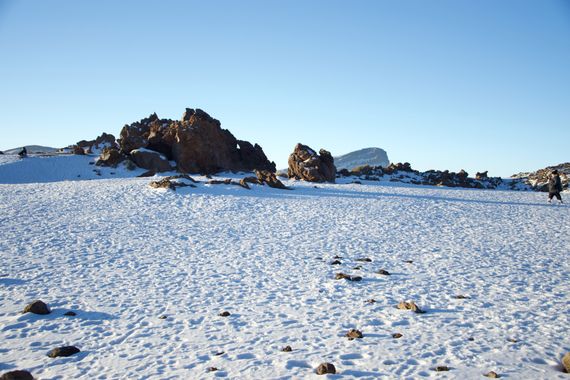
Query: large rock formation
x: 197, y: 143
x: 306, y: 164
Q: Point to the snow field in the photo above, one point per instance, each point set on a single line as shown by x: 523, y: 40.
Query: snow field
x: 122, y: 255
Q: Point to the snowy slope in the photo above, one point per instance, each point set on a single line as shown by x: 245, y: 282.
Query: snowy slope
x: 367, y: 156
x: 58, y: 167
x: 122, y: 255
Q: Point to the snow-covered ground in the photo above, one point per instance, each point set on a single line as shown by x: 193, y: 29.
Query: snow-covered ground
x: 122, y: 255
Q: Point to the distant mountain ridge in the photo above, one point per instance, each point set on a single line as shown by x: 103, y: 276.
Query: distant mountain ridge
x: 366, y: 156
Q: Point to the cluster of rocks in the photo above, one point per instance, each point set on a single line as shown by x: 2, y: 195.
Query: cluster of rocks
x: 196, y: 144
x: 106, y: 140
x: 403, y: 172
x: 41, y: 308
x: 538, y: 180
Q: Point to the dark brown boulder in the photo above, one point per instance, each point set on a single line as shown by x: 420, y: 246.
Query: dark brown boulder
x: 410, y: 306
x: 150, y: 160
x: 325, y: 368
x: 63, y: 351
x: 110, y: 157
x: 566, y: 362
x: 306, y: 164
x: 354, y: 334
x: 17, y: 375
x: 37, y: 307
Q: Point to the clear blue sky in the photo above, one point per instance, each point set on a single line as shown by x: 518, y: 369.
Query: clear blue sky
x: 446, y: 84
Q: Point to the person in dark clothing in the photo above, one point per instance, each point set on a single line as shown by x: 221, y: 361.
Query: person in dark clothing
x: 554, y: 186
x: 23, y: 153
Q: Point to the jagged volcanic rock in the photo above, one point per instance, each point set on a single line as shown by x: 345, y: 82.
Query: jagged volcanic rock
x: 197, y: 143
x: 306, y: 164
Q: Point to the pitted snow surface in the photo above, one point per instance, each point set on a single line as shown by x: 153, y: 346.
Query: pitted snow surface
x: 122, y: 255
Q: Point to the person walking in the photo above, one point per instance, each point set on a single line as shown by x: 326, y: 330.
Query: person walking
x: 554, y: 186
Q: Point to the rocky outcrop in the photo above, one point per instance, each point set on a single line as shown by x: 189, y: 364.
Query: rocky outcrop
x: 306, y: 164
x: 403, y: 172
x: 150, y: 160
x: 197, y: 143
x: 538, y: 180
x: 106, y: 140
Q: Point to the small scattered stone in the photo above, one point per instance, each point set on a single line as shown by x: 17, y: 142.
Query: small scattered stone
x: 63, y: 351
x: 397, y: 335
x: 441, y: 368
x: 335, y: 262
x: 566, y: 362
x: 354, y: 334
x: 162, y: 317
x: 70, y: 314
x: 358, y: 267
x: 287, y: 349
x: 371, y: 300
x: 17, y: 375
x: 364, y: 260
x: 337, y: 257
x: 492, y: 375
x: 224, y: 314
x: 513, y: 340
x: 410, y: 306
x: 383, y: 272
x: 409, y: 261
x: 219, y: 353
x: 471, y: 339
x: 461, y: 297
x: 37, y: 307
x: 344, y: 276
x: 325, y: 368
x: 211, y: 369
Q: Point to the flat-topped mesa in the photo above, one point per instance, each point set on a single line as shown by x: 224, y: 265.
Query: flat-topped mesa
x: 197, y: 143
x: 306, y: 164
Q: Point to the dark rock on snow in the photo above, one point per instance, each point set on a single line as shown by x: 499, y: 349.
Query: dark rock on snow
x: 325, y: 368
x: 63, y: 351
x: 343, y: 276
x: 70, y: 314
x: 354, y: 334
x: 287, y: 349
x: 17, y: 375
x: 566, y: 362
x: 410, y: 306
x: 224, y: 314
x: 37, y: 307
